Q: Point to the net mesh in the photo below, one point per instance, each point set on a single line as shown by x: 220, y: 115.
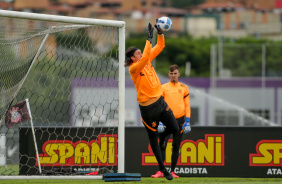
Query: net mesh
x: 71, y: 82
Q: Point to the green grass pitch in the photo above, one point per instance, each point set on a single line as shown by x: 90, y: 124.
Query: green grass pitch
x: 147, y: 180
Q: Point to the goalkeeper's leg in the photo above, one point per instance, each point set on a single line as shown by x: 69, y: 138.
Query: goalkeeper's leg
x: 153, y: 137
x: 177, y: 138
x: 150, y: 117
x: 168, y: 119
x: 163, y: 142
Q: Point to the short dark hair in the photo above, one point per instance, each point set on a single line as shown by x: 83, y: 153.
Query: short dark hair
x: 128, y: 53
x: 173, y: 67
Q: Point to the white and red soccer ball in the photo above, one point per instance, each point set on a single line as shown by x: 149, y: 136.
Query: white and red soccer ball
x: 164, y: 23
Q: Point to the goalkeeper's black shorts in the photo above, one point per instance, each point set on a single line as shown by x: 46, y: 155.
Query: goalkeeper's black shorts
x: 156, y: 112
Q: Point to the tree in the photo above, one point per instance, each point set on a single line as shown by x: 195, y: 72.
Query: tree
x: 243, y: 57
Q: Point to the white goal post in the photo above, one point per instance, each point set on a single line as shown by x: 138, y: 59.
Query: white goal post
x: 79, y: 76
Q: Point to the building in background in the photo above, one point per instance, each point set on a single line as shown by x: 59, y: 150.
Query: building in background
x: 227, y: 18
x: 239, y: 18
x: 6, y: 5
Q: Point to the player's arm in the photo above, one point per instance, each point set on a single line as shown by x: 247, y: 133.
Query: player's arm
x: 137, y: 67
x: 187, y: 103
x: 163, y: 90
x: 157, y: 49
x: 186, y: 128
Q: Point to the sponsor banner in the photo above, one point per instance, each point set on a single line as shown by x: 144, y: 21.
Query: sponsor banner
x: 212, y: 152
x: 84, y: 149
x: 204, y: 152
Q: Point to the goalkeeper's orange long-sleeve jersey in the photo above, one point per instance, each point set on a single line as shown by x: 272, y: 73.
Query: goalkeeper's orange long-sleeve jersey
x: 143, y: 73
x: 177, y: 97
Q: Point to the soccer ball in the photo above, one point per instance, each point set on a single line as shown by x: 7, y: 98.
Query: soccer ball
x: 164, y: 23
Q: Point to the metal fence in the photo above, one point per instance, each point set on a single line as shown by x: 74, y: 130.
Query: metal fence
x: 248, y: 80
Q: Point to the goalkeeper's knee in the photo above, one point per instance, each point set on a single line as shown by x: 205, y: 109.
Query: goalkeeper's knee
x: 163, y: 146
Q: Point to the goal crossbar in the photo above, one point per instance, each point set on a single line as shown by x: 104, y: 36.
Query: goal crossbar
x: 64, y: 19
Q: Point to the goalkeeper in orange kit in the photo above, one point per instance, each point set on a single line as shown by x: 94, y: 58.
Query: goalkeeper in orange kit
x: 176, y: 96
x: 152, y: 106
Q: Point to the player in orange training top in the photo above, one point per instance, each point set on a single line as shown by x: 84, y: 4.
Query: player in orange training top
x: 176, y: 95
x: 152, y: 106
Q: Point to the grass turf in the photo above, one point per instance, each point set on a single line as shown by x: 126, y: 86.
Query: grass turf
x: 147, y: 180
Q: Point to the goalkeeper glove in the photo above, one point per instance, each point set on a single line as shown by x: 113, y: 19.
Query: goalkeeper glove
x: 161, y: 127
x: 159, y: 31
x: 150, y: 32
x: 186, y: 127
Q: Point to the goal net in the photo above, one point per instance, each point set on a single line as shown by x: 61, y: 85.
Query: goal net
x: 71, y: 71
